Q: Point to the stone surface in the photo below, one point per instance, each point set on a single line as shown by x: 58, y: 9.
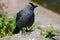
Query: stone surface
x: 42, y: 17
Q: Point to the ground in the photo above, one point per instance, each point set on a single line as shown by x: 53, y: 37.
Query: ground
x: 43, y: 16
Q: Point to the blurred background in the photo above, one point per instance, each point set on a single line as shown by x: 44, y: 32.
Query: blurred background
x: 47, y: 12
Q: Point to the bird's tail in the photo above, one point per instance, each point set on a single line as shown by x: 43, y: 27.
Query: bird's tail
x: 16, y: 30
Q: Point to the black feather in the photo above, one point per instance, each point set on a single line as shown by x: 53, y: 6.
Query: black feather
x: 16, y: 30
x: 24, y: 19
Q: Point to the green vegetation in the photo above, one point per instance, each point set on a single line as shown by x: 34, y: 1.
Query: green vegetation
x: 50, y: 33
x: 6, y: 24
x: 53, y: 5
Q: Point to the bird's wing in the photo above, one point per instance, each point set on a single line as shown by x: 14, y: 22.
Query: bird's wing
x: 18, y: 15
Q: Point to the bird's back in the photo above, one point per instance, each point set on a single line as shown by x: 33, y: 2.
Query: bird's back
x: 26, y: 19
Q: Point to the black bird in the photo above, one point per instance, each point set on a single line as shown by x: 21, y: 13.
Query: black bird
x: 25, y: 17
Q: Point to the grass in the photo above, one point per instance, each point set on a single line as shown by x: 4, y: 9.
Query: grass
x: 50, y: 33
x: 53, y: 5
x: 7, y: 25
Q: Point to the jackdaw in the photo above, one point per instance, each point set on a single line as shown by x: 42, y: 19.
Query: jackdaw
x: 25, y: 17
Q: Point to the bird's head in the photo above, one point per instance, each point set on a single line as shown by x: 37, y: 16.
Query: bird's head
x: 30, y: 6
x: 34, y: 6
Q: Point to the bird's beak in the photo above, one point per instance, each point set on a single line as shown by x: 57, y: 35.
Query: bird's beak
x: 35, y: 6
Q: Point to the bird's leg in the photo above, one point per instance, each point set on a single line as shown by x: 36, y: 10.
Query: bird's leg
x: 23, y: 31
x: 28, y: 30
